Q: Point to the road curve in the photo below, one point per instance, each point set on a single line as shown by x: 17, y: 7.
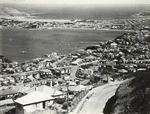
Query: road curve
x: 99, y: 96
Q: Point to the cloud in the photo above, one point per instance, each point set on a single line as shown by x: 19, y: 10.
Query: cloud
x: 12, y: 1
x: 89, y: 1
x: 77, y: 1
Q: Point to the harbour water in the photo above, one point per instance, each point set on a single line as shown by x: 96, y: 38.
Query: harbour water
x: 22, y: 44
x: 36, y: 43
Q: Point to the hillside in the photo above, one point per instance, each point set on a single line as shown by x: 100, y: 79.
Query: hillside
x: 144, y: 13
x: 132, y: 97
x: 7, y: 11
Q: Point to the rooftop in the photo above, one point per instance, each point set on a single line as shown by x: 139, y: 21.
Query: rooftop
x: 7, y: 92
x: 33, y: 97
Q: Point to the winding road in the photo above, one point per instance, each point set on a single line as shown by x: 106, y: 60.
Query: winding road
x: 97, y: 99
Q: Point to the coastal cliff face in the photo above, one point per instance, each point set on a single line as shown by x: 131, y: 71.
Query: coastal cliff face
x: 132, y: 97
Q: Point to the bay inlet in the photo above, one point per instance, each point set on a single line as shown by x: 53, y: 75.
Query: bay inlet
x: 36, y: 43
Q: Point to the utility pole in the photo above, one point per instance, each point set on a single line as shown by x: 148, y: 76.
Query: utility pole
x: 67, y: 97
x: 107, y: 78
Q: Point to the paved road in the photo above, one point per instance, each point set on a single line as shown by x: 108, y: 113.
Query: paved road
x: 96, y: 103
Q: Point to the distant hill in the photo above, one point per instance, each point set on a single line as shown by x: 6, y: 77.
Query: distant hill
x: 132, y: 97
x: 145, y: 13
x: 7, y: 11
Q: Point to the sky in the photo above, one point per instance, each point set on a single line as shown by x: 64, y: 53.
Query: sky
x: 77, y: 1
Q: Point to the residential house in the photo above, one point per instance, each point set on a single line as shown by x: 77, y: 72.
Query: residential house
x: 113, y: 45
x: 33, y: 101
x: 77, y: 61
x: 7, y: 93
x: 51, y: 92
x: 7, y: 106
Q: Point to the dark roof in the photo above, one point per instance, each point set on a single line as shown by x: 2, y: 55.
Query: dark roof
x: 5, y: 102
x: 7, y: 92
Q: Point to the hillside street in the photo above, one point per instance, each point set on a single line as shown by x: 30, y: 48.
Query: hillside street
x: 97, y: 99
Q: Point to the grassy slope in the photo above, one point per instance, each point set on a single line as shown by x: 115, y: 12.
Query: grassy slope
x: 132, y: 97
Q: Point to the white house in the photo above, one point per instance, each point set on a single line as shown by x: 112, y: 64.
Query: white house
x: 32, y: 102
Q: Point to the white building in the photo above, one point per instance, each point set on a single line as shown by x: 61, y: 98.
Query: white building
x: 32, y: 102
x: 38, y: 98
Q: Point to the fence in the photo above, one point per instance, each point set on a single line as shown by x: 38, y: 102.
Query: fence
x: 77, y: 99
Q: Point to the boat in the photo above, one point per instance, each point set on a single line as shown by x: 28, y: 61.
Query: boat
x: 22, y: 52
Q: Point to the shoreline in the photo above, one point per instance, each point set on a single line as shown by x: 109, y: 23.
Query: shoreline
x: 35, y: 24
x: 91, y: 29
x: 65, y: 28
x: 31, y: 19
